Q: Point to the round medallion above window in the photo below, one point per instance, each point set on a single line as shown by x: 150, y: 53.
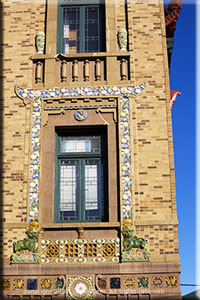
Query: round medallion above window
x: 80, y: 115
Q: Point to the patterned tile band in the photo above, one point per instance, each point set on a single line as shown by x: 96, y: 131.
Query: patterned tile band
x: 84, y: 287
x: 124, y: 124
x: 80, y: 251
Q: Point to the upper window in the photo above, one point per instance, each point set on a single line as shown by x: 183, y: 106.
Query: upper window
x: 80, y: 189
x: 80, y: 27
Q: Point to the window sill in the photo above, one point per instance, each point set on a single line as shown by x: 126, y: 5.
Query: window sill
x: 82, y: 225
x: 79, y: 55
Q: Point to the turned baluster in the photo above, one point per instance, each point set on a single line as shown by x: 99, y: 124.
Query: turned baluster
x: 98, y: 70
x: 64, y: 71
x: 75, y: 70
x: 38, y: 72
x: 123, y: 69
x: 86, y: 70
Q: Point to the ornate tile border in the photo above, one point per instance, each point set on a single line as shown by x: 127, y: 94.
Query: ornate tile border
x: 124, y: 125
x: 80, y: 251
x: 84, y: 287
x: 33, y: 285
x: 136, y: 283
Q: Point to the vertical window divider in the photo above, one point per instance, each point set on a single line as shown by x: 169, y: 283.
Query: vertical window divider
x: 82, y: 31
x: 60, y: 30
x: 57, y: 179
x: 82, y: 190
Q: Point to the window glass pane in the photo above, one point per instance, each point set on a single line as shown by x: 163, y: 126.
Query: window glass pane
x: 92, y: 29
x: 69, y: 190
x: 94, y: 196
x: 71, y: 30
x: 80, y: 144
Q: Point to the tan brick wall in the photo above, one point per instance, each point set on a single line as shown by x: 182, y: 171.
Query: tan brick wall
x: 154, y: 199
x: 10, y: 236
x: 153, y: 150
x: 21, y: 21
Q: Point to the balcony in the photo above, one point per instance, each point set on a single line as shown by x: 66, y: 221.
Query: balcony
x: 81, y: 69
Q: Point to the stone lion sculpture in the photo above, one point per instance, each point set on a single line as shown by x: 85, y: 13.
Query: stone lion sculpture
x: 131, y: 241
x: 30, y: 243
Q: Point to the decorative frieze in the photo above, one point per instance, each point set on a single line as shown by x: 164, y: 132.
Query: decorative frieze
x: 80, y: 251
x: 29, y: 285
x: 85, y: 287
x: 134, y: 284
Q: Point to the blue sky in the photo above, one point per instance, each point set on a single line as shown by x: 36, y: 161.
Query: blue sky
x: 182, y: 78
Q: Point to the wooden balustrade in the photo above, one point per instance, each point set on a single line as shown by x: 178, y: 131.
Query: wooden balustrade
x: 81, y: 68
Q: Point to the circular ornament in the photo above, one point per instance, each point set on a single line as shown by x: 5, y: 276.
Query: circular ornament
x: 80, y: 288
x: 80, y: 115
x: 129, y: 282
x: 157, y: 281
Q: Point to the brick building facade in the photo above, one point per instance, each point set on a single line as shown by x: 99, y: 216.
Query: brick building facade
x: 89, y: 204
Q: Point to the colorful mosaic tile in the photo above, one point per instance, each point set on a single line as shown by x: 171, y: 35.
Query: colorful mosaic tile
x: 108, y: 249
x: 5, y: 284
x: 90, y: 250
x: 143, y: 282
x: 45, y: 284
x: 38, y: 95
x: 135, y: 255
x: 25, y: 258
x: 18, y: 284
x: 80, y: 115
x: 31, y: 284
x: 71, y: 250
x: 102, y: 283
x: 129, y: 282
x: 171, y: 281
x: 80, y: 251
x: 115, y: 283
x: 157, y: 281
x: 80, y: 287
x: 59, y: 283
x: 52, y: 250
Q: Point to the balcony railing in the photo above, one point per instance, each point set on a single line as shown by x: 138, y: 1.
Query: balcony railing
x: 81, y: 69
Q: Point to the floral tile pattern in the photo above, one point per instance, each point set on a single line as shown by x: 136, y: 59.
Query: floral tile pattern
x: 80, y: 287
x: 124, y: 124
